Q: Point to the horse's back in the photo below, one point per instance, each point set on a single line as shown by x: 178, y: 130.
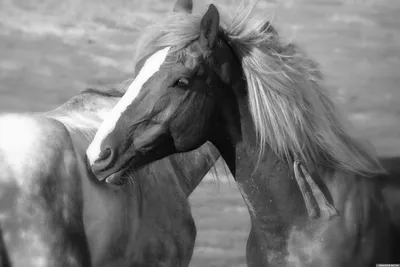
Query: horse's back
x: 39, y: 219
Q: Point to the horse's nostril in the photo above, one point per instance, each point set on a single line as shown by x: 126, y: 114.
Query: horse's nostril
x: 104, y: 154
x: 105, y: 159
x: 102, y: 166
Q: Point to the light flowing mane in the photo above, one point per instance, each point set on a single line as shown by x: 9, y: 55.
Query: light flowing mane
x: 291, y: 109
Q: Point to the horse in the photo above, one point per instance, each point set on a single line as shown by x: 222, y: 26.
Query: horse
x: 55, y: 213
x: 316, y: 195
x: 61, y: 216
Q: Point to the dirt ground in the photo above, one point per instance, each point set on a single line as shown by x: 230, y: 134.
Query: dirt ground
x: 50, y: 50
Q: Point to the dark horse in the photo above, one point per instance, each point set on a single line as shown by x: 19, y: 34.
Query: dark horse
x: 54, y: 213
x: 314, y: 193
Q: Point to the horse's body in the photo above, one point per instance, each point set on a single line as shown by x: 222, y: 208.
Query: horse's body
x: 55, y: 214
x: 316, y: 196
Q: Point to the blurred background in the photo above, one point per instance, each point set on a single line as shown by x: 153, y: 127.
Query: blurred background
x: 50, y: 50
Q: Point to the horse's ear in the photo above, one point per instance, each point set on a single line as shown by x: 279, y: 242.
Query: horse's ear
x: 183, y: 6
x: 209, y: 28
x: 267, y: 27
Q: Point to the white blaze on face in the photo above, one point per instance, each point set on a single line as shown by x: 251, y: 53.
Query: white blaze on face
x: 150, y: 67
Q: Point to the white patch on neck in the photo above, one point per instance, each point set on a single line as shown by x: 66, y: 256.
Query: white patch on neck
x: 150, y: 67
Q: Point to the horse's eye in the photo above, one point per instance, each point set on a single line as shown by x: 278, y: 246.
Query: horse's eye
x: 182, y: 82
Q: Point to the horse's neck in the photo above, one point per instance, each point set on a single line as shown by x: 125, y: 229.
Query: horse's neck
x: 237, y: 139
x: 248, y: 157
x: 191, y: 167
x: 187, y: 180
x: 266, y: 183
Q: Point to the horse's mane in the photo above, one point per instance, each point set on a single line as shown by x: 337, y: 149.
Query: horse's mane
x: 109, y: 92
x: 291, y: 109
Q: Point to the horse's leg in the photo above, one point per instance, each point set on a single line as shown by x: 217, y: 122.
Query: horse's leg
x: 4, y: 259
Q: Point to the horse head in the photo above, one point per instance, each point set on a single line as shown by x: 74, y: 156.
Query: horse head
x: 178, y: 99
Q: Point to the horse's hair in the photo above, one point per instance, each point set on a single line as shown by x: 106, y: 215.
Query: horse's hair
x: 109, y: 92
x: 291, y: 109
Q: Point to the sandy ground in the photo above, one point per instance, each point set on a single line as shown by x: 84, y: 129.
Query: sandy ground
x: 51, y: 50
